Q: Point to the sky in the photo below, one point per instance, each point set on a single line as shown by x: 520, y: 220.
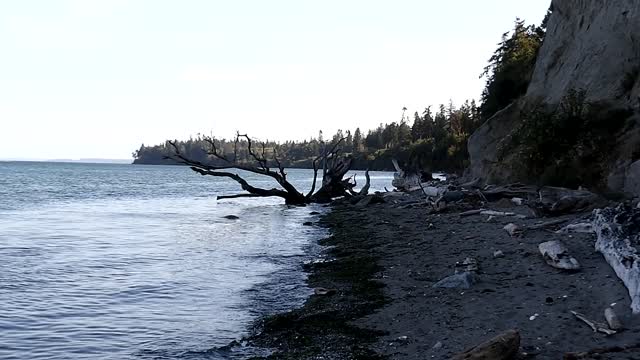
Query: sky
x: 97, y: 78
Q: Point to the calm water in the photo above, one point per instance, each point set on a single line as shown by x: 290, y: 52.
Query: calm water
x: 121, y: 261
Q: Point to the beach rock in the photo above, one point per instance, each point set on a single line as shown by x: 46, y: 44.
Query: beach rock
x: 498, y: 254
x: 461, y: 280
x: 231, y: 217
x: 612, y: 319
x: 502, y: 347
x: 307, y: 223
x: 557, y: 255
x: 513, y: 229
x: 314, y: 213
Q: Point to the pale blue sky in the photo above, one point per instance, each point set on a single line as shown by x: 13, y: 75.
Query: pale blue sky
x: 94, y: 78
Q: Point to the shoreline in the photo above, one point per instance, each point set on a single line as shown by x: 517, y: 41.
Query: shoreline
x: 387, y: 259
x: 322, y: 326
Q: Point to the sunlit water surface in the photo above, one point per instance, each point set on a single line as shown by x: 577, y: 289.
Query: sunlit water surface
x: 121, y: 261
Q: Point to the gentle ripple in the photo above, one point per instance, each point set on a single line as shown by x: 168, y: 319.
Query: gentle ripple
x: 120, y: 261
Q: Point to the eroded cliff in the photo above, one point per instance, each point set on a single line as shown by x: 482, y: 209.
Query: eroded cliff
x: 592, y: 47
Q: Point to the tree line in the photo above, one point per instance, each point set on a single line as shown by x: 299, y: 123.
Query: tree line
x: 432, y: 140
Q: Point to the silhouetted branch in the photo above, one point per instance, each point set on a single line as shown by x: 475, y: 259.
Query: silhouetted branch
x: 333, y: 184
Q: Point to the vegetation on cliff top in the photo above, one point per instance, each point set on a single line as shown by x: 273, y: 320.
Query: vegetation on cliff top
x: 430, y: 141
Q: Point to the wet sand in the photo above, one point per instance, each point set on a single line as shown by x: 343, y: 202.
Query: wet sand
x: 385, y: 261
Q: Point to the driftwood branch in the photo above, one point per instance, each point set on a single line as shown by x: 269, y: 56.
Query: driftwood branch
x: 260, y: 162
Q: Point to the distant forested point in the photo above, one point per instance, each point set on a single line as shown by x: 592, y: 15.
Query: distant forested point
x: 430, y: 141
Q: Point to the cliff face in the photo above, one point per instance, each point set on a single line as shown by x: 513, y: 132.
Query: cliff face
x: 590, y: 45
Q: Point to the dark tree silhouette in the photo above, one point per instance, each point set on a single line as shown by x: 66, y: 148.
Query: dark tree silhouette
x: 267, y: 163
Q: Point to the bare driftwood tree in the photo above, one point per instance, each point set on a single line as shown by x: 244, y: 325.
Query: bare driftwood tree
x: 334, y: 167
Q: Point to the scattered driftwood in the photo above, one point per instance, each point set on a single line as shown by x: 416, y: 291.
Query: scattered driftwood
x: 496, y: 213
x: 495, y: 193
x: 618, y: 238
x: 557, y: 255
x: 471, y: 212
x: 599, y: 351
x: 595, y: 326
x: 545, y: 200
x: 407, y: 180
x: 502, y: 347
x: 612, y: 319
x: 547, y: 224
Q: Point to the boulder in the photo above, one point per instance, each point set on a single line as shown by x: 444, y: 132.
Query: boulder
x: 502, y: 347
x: 462, y: 280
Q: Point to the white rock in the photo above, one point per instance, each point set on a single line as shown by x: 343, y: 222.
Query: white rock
x: 512, y: 229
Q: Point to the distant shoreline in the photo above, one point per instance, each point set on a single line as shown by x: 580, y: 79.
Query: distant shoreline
x: 71, y: 161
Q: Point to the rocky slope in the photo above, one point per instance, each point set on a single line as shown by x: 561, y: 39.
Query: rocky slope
x: 593, y: 46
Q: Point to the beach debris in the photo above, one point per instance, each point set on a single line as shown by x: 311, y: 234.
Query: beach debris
x: 585, y: 228
x: 403, y: 338
x: 496, y: 213
x: 618, y: 237
x: 369, y: 200
x: 595, y: 326
x: 612, y: 319
x: 324, y: 291
x: 534, y: 316
x: 557, y: 255
x: 231, y: 217
x: 461, y: 280
x: 513, y: 229
x: 407, y: 180
x: 498, y: 254
x: 517, y: 201
x: 471, y: 212
x: 558, y: 201
x: 502, y: 347
x: 437, y: 346
x: 547, y: 224
x: 491, y: 219
x: 467, y: 265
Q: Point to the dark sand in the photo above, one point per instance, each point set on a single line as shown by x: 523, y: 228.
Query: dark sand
x: 386, y: 261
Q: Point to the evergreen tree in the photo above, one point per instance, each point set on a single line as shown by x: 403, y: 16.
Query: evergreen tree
x: 510, y: 68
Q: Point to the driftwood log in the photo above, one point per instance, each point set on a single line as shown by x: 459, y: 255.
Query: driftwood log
x: 618, y: 238
x: 267, y: 163
x: 595, y: 326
